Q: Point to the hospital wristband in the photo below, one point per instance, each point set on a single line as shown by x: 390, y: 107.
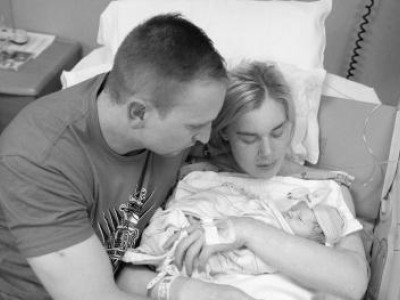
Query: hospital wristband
x: 153, y: 282
x: 167, y: 270
x: 164, y: 287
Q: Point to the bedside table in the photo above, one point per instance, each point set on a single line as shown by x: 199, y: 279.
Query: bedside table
x: 36, y: 78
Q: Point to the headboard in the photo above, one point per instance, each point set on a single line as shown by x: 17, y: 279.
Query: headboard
x: 356, y: 137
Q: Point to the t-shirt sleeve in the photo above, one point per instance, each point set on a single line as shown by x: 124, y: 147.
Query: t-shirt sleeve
x: 44, y: 211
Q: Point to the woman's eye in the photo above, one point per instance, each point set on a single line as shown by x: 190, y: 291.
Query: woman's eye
x: 278, y: 132
x: 249, y: 139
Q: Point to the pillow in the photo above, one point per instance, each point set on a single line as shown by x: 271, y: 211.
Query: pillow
x: 96, y: 62
x: 287, y: 31
x: 291, y: 32
x: 306, y: 89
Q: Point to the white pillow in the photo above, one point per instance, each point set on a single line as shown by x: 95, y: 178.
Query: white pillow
x: 292, y: 32
x: 306, y: 89
x: 287, y: 31
x: 305, y: 85
x: 98, y: 61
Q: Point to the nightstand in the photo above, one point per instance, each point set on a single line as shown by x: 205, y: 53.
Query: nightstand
x: 37, y: 77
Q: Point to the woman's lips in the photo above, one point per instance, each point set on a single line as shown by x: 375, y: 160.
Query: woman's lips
x: 265, y: 166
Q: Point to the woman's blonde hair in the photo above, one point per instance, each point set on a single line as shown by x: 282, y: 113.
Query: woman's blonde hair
x: 249, y: 86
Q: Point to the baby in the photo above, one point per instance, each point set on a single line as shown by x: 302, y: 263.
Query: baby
x: 323, y: 223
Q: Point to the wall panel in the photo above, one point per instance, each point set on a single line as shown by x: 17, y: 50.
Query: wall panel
x: 379, y: 65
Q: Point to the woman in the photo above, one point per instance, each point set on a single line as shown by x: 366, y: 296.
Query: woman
x: 252, y: 135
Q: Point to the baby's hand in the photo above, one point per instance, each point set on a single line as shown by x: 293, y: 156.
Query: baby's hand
x: 182, y: 233
x: 202, y: 241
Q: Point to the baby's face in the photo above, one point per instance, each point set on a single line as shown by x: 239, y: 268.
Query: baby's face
x: 301, y: 220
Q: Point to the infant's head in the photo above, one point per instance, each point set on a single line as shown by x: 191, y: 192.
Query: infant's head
x: 322, y: 223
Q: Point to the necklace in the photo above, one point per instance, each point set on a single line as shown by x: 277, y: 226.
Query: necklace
x: 122, y: 232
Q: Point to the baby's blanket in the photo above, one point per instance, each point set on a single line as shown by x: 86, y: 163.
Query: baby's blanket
x: 283, y: 192
x: 204, y: 204
x: 214, y: 195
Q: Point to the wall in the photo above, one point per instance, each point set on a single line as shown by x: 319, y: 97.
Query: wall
x: 78, y: 20
x: 378, y: 63
x: 73, y: 19
x: 339, y: 29
x: 5, y: 13
x: 379, y: 66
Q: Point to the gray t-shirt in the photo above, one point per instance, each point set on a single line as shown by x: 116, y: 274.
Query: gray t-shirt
x: 58, y: 179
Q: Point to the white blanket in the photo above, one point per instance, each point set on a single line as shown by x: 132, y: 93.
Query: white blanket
x: 274, y: 190
x: 210, y: 195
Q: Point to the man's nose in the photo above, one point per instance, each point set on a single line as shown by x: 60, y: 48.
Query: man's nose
x: 204, y: 135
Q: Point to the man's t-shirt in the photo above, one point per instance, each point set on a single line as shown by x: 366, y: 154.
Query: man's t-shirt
x: 60, y: 182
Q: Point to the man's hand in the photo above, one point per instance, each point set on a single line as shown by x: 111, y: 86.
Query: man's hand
x: 134, y: 279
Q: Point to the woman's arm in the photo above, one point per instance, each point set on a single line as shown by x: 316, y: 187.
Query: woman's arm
x: 342, y: 270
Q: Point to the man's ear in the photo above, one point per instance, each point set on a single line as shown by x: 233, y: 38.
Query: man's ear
x: 137, y: 110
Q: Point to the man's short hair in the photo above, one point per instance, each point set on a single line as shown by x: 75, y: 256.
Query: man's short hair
x: 165, y: 48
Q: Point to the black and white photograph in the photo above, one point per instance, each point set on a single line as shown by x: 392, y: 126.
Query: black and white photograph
x: 199, y: 149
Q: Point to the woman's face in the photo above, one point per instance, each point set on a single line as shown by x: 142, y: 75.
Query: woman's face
x: 260, y: 138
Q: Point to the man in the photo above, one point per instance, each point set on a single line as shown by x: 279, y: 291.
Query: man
x: 77, y: 164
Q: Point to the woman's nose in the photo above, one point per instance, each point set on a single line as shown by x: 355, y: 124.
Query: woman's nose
x: 265, y: 148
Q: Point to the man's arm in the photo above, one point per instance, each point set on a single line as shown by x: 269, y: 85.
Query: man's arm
x: 133, y: 279
x: 82, y: 271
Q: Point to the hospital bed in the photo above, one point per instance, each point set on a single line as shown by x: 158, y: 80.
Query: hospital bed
x: 364, y: 140
x: 356, y: 133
